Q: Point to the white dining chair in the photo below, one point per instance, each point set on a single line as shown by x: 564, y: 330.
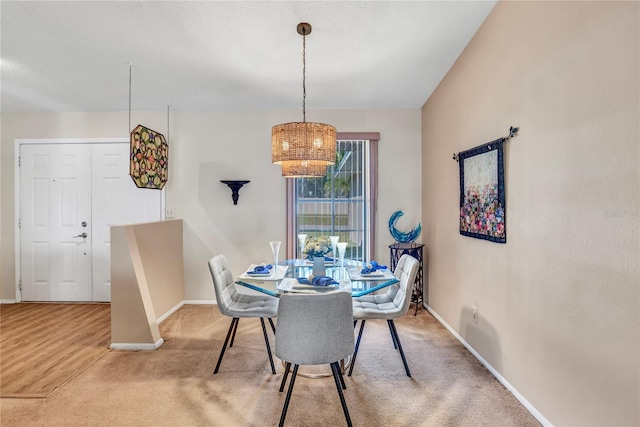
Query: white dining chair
x: 392, y: 304
x: 314, y: 329
x: 233, y: 304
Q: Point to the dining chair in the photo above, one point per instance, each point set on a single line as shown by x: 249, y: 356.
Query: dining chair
x: 233, y: 304
x: 314, y: 329
x: 392, y: 304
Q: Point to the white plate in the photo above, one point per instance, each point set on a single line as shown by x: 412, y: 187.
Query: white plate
x: 292, y: 285
x: 249, y: 273
x: 354, y: 274
x: 373, y: 274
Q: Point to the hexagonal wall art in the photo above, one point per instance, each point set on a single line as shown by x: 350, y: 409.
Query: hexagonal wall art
x: 148, y: 164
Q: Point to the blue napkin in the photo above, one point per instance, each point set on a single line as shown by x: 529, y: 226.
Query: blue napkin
x: 318, y: 281
x: 371, y: 267
x: 261, y: 269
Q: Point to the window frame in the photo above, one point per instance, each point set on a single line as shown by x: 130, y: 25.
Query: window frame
x: 291, y: 224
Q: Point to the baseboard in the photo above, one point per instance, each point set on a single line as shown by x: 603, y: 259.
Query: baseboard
x: 170, y: 312
x: 136, y: 346
x: 493, y: 371
x: 7, y: 301
x: 147, y: 346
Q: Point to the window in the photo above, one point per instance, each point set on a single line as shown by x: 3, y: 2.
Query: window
x: 340, y: 203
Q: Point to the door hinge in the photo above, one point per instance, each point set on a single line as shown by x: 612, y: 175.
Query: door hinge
x: 20, y: 285
x: 19, y: 224
x: 19, y: 161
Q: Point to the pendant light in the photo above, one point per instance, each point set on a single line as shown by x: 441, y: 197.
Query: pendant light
x: 303, y: 148
x: 303, y: 169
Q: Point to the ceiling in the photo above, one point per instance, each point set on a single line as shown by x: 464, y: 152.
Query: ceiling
x: 61, y: 56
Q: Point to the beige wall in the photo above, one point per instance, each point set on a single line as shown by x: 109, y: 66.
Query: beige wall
x: 160, y: 251
x: 206, y: 147
x: 558, y: 303
x: 2, y: 261
x: 147, y: 280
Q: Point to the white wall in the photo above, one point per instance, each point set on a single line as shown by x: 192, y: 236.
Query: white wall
x: 558, y: 303
x: 206, y: 147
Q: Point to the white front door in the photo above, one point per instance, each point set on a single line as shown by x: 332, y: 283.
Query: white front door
x: 62, y: 187
x: 55, y: 202
x: 116, y: 201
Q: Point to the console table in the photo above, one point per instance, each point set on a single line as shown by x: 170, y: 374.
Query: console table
x: 415, y: 250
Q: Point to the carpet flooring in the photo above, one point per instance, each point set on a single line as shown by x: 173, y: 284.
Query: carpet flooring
x: 174, y: 386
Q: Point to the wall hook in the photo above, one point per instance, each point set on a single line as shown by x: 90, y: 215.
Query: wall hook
x: 235, y: 187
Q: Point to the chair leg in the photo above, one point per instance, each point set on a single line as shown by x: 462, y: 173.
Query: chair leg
x: 287, y: 366
x: 233, y: 335
x: 393, y: 338
x: 336, y: 370
x: 355, y: 353
x: 266, y: 341
x: 392, y: 325
x: 273, y: 327
x: 288, y: 398
x: 344, y: 386
x: 234, y: 322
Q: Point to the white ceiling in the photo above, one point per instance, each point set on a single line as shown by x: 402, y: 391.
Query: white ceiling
x: 205, y: 55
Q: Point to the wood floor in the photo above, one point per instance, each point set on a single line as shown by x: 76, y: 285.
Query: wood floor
x: 43, y: 346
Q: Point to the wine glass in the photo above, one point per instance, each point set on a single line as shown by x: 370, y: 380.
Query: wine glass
x: 301, y: 239
x: 275, y: 248
x: 342, y: 247
x: 334, y: 242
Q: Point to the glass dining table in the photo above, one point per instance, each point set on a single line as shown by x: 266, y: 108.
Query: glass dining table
x: 348, y: 278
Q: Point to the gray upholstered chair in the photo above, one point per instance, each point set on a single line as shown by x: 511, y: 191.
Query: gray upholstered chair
x: 236, y: 305
x: 390, y: 305
x: 314, y: 329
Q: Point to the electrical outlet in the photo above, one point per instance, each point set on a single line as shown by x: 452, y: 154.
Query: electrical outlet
x: 474, y: 314
x: 169, y: 213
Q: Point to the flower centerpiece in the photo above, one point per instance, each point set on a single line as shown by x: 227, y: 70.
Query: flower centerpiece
x: 317, y: 246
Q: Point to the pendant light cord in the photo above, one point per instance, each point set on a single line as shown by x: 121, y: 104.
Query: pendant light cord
x: 168, y: 104
x: 304, y: 79
x: 130, y: 64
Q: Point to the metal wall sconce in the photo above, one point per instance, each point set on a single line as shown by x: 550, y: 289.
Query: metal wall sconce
x: 235, y: 187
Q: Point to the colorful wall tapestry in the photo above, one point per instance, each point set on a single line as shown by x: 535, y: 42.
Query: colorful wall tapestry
x: 482, y: 198
x: 149, y: 158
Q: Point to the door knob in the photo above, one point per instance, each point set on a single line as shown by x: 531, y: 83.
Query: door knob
x: 83, y: 235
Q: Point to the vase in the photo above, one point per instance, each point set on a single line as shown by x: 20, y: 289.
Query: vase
x: 318, y: 266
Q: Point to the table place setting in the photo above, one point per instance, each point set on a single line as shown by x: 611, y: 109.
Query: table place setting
x: 369, y: 271
x: 264, y: 272
x: 313, y: 284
